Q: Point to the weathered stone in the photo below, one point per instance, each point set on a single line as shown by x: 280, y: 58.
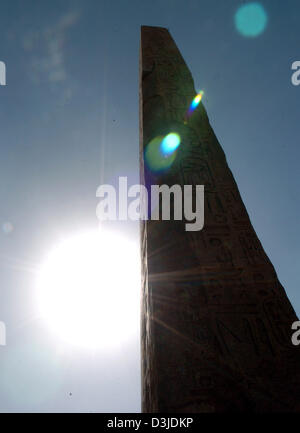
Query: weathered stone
x: 216, y: 322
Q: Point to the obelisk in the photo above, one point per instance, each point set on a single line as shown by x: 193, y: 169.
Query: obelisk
x: 216, y: 322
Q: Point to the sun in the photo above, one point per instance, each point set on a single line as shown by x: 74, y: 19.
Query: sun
x: 88, y: 289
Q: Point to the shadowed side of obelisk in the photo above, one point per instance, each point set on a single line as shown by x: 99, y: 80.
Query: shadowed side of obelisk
x: 216, y: 322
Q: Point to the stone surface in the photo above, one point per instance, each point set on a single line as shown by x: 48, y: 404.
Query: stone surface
x: 216, y: 322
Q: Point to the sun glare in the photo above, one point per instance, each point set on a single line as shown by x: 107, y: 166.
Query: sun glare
x: 88, y: 290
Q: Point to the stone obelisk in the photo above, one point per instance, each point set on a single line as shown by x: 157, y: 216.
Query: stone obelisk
x: 216, y: 322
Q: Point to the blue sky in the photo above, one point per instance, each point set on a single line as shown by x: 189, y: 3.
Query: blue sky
x: 69, y: 121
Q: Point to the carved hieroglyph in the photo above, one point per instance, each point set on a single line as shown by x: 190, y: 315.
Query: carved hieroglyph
x: 216, y: 322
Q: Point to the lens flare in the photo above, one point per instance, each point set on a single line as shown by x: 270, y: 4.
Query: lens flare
x: 170, y: 143
x: 194, y: 104
x: 251, y: 19
x: 196, y: 101
x: 161, y: 152
x: 7, y: 227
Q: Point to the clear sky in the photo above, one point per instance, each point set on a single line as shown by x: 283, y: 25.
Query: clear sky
x: 69, y: 121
